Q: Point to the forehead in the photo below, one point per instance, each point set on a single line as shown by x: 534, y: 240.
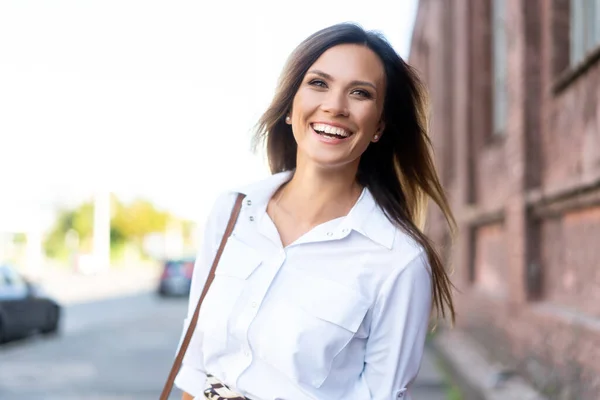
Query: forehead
x: 351, y: 62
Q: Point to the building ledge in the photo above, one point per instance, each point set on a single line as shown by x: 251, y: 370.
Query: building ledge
x: 477, y: 216
x: 568, y: 197
x: 572, y: 73
x: 477, y: 376
x: 567, y: 316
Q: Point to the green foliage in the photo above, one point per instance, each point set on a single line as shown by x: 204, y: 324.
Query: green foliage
x: 138, y: 219
x: 130, y: 223
x: 453, y: 393
x: 55, y: 245
x: 20, y: 238
x: 83, y: 220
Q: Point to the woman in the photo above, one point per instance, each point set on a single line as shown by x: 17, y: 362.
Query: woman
x: 324, y: 290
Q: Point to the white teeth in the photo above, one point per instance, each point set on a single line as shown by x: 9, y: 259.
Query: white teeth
x: 331, y: 129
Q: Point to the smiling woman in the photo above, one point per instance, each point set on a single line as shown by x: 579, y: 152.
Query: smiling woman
x: 339, y: 102
x: 325, y: 287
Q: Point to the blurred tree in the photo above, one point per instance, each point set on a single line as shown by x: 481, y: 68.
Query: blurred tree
x: 19, y: 238
x: 188, y: 232
x: 130, y: 223
x: 138, y: 219
x: 79, y: 220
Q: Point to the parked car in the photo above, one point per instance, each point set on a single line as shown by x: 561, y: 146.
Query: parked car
x: 24, y: 307
x: 176, y: 277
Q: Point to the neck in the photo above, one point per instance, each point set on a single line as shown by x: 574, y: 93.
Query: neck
x: 315, y: 195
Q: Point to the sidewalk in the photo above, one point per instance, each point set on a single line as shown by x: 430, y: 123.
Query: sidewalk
x: 430, y: 384
x: 479, y: 377
x: 69, y: 287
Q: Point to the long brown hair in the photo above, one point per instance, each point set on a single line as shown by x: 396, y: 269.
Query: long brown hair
x: 398, y: 169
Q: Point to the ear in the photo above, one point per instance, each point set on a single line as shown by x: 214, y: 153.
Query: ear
x: 379, y: 131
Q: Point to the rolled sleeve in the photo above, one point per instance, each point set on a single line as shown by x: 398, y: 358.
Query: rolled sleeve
x: 400, y: 322
x: 191, y: 381
x: 191, y: 377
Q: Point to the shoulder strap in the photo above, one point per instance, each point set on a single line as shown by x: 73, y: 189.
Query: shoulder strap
x: 211, y: 276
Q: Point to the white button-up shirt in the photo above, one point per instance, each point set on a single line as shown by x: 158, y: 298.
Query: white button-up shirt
x: 341, y: 313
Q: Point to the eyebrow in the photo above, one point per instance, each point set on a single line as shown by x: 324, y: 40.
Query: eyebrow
x: 327, y: 76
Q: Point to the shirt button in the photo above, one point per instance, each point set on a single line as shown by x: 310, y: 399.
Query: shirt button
x: 345, y: 230
x: 247, y: 353
x: 249, y: 202
x: 251, y: 218
x: 329, y: 233
x: 254, y: 304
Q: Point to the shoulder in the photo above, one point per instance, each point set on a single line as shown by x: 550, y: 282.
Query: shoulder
x: 225, y: 200
x: 392, y: 249
x: 256, y: 192
x: 408, y: 276
x: 222, y: 206
x: 407, y: 260
x: 406, y: 249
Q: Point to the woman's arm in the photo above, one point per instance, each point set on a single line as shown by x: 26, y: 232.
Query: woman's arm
x: 187, y: 396
x: 398, y: 330
x: 191, y: 377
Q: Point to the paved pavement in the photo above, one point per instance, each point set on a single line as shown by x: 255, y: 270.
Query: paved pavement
x: 430, y: 384
x: 69, y: 287
x: 480, y: 376
x: 123, y: 353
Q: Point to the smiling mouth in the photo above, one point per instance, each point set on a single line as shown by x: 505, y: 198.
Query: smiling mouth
x: 330, y: 131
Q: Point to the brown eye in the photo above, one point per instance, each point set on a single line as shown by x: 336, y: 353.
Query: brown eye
x: 362, y: 93
x: 317, y: 82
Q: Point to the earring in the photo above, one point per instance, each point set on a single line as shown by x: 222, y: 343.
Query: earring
x: 376, y: 138
x: 288, y: 119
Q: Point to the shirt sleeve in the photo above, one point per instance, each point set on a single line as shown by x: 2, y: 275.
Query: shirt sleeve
x: 399, y: 326
x: 192, y: 376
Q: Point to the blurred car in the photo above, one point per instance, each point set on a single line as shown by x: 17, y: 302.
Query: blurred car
x: 176, y: 277
x: 24, y: 307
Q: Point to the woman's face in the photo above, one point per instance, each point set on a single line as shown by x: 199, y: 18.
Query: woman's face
x: 337, y: 110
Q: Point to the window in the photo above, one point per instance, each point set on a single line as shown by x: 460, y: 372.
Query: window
x: 499, y: 66
x: 3, y: 280
x: 585, y: 28
x: 13, y: 279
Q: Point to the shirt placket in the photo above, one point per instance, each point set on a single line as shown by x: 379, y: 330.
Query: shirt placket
x: 254, y: 296
x: 247, y: 315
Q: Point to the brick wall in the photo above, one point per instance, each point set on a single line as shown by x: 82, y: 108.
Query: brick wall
x: 527, y: 201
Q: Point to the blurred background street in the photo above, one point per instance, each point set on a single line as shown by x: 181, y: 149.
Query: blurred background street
x: 112, y: 349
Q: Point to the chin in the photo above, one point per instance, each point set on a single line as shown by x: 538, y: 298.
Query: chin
x: 325, y: 157
x: 330, y: 163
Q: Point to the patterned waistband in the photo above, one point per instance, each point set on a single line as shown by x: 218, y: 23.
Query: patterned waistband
x: 217, y: 390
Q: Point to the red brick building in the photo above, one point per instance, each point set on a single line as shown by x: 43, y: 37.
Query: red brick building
x: 515, y: 94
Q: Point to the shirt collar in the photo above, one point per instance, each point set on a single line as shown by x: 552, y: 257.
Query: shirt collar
x: 366, y: 217
x: 261, y: 192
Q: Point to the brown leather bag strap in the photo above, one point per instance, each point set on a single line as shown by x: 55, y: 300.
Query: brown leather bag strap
x: 211, y: 276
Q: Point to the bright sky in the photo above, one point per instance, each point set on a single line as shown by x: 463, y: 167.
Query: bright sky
x: 149, y: 98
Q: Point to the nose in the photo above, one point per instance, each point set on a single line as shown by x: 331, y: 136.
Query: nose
x: 335, y: 103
